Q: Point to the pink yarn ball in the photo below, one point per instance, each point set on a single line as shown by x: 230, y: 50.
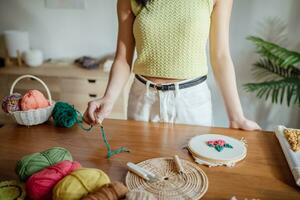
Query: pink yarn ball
x: 33, y: 99
x: 39, y: 186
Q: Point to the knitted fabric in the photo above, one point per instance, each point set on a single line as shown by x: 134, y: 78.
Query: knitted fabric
x: 171, y: 38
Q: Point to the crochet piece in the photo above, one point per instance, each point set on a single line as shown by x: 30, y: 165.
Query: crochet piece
x: 219, y: 145
x: 293, y: 137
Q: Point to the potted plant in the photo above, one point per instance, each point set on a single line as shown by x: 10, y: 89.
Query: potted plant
x: 277, y: 73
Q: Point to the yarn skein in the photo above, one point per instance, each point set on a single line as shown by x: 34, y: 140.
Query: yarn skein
x: 65, y: 115
x: 12, y: 190
x: 79, y: 183
x: 111, y: 191
x: 35, y: 162
x: 39, y: 186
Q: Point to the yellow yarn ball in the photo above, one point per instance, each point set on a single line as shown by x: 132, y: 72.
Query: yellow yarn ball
x: 79, y: 183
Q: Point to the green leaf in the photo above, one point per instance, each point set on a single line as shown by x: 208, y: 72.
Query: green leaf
x: 289, y: 87
x: 265, y: 70
x: 219, y: 148
x: 275, y: 53
x: 228, y: 146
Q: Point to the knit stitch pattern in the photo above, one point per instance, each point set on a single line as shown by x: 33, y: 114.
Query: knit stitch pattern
x: 171, y: 38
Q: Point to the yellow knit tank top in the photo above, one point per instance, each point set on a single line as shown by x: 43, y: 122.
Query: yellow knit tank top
x: 171, y: 38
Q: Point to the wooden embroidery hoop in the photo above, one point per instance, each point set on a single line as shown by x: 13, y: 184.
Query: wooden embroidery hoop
x: 202, y: 152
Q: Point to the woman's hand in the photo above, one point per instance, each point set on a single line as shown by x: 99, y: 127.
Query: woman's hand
x: 97, y: 111
x: 244, y: 124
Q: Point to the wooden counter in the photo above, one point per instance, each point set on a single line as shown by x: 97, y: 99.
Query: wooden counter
x: 264, y: 174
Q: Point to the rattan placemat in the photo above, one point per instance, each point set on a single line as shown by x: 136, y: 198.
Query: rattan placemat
x: 171, y: 185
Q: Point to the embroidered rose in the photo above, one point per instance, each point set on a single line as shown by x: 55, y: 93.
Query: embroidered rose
x: 219, y: 145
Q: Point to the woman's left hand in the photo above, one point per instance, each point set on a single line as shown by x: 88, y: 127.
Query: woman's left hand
x: 245, y: 124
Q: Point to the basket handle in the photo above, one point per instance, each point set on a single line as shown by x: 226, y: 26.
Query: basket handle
x: 33, y: 77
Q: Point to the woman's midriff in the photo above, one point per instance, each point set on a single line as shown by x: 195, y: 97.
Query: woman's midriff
x: 162, y: 80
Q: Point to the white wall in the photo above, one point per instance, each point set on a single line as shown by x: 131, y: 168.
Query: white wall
x: 73, y: 33
x: 246, y: 16
x: 60, y: 32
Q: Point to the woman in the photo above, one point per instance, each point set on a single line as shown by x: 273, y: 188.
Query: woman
x: 170, y: 37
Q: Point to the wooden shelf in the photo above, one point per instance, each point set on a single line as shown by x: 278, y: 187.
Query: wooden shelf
x: 53, y: 70
x: 69, y: 83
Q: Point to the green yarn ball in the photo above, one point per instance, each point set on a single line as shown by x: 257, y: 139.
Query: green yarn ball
x: 35, y: 162
x: 65, y: 115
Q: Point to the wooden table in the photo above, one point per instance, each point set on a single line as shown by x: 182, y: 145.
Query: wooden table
x: 264, y: 174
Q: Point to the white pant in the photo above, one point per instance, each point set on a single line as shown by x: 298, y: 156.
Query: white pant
x: 183, y: 106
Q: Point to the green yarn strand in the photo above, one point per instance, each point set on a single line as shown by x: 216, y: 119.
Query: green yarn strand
x: 65, y: 115
x: 110, y: 152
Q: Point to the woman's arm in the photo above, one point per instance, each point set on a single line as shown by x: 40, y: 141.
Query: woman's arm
x: 223, y: 66
x: 120, y: 71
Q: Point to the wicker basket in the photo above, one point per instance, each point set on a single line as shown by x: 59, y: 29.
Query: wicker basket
x: 33, y: 117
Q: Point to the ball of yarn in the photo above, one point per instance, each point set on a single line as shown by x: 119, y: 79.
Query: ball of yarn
x: 140, y: 195
x: 33, y: 99
x: 39, y: 186
x: 64, y: 115
x: 111, y: 191
x: 37, y: 161
x: 12, y: 190
x: 79, y: 183
x: 11, y: 103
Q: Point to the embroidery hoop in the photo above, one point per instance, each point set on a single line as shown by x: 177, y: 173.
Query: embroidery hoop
x: 203, y: 154
x: 193, y: 184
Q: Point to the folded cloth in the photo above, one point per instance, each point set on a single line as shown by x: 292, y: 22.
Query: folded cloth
x: 293, y: 158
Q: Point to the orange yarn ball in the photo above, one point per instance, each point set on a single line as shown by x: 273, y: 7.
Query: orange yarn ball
x: 33, y: 99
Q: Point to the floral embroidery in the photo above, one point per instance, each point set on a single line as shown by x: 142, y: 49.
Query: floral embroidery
x: 219, y: 145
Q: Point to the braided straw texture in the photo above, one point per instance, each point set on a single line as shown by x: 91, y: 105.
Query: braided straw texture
x: 193, y: 184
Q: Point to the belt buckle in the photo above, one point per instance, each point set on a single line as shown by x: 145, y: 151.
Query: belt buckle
x: 156, y: 87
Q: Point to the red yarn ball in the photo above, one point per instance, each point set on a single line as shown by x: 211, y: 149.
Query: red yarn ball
x: 39, y: 186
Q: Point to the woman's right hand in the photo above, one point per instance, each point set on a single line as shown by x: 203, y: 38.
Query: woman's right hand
x: 97, y: 111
